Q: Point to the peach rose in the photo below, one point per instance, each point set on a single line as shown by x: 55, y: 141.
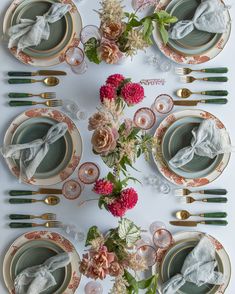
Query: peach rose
x: 115, y: 269
x: 97, y: 120
x: 109, y: 52
x: 112, y: 30
x: 104, y: 140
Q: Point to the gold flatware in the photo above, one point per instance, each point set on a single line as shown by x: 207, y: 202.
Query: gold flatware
x: 45, y: 216
x: 46, y: 95
x: 184, y: 214
x: 49, y: 224
x: 190, y: 79
x: 29, y: 192
x: 185, y: 192
x: 195, y: 223
x: 49, y: 103
x: 49, y: 200
x: 196, y: 102
x: 36, y: 73
x: 185, y: 93
x: 50, y: 81
x: 190, y: 199
x: 186, y: 71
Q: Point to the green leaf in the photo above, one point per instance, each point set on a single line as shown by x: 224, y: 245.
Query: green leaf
x: 134, y: 132
x: 133, y: 285
x: 101, y: 202
x: 128, y: 231
x: 164, y: 34
x: 92, y: 234
x: 148, y: 28
x: 111, y: 178
x: 90, y: 49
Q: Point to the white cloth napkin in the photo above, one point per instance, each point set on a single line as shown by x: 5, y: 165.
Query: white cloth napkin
x: 209, y: 17
x: 31, y: 154
x: 38, y: 278
x: 31, y: 32
x: 208, y: 140
x: 198, y: 268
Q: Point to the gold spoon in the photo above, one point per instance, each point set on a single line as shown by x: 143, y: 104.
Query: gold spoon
x: 184, y: 214
x: 185, y: 93
x: 49, y: 200
x: 49, y: 81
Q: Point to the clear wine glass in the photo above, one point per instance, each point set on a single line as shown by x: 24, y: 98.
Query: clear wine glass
x: 156, y: 225
x: 163, y: 104
x: 88, y: 172
x: 88, y: 32
x: 71, y: 189
x: 162, y: 238
x: 144, y: 118
x: 148, y: 253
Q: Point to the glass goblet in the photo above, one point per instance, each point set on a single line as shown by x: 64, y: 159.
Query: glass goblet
x: 148, y: 253
x: 75, y: 57
x: 162, y: 238
x: 163, y: 104
x: 71, y: 189
x: 144, y: 118
x: 88, y: 173
x: 93, y: 287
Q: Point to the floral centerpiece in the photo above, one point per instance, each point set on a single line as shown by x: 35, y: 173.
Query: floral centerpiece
x: 123, y: 33
x: 114, y: 254
x: 118, y: 141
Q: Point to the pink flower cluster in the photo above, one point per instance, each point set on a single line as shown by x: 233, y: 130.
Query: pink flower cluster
x: 131, y: 93
x: 127, y: 198
x: 96, y: 264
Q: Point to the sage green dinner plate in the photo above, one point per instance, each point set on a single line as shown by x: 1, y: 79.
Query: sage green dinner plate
x: 195, y: 169
x: 182, y: 137
x: 173, y: 262
x: 197, y: 42
x: 60, y: 31
x: 185, y: 10
x: 37, y: 252
x: 60, y: 152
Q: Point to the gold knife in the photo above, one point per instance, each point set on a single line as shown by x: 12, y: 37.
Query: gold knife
x: 195, y: 223
x: 195, y: 102
x: 36, y: 73
x: 40, y: 191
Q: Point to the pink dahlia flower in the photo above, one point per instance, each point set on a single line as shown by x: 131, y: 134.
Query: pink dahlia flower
x: 132, y: 93
x: 115, y: 80
x: 103, y: 187
x: 107, y: 92
x: 129, y: 198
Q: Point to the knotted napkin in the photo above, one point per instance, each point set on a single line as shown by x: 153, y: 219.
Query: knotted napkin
x: 38, y: 278
x: 208, y: 140
x: 31, y: 32
x: 31, y: 154
x: 209, y: 17
x: 198, y: 268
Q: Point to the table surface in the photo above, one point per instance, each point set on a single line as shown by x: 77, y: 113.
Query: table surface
x: 84, y: 89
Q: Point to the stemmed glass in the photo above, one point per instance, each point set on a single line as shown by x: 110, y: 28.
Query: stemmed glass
x: 75, y: 57
x: 163, y: 104
x: 72, y: 189
x: 88, y: 32
x: 144, y: 118
x: 88, y: 173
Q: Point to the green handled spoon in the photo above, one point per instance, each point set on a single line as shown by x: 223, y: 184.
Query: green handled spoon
x: 50, y: 81
x: 184, y: 214
x: 49, y: 200
x: 185, y: 93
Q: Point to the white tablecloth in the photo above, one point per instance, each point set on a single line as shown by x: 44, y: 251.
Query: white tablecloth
x: 151, y: 206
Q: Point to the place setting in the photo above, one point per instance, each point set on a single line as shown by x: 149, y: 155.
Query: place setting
x: 173, y: 128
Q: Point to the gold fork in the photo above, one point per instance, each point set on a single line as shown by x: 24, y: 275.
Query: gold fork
x: 46, y: 95
x: 45, y: 216
x: 49, y: 224
x: 49, y: 103
x: 190, y: 199
x: 190, y: 79
x: 186, y: 71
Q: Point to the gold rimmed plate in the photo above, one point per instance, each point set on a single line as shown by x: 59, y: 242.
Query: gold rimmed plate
x: 34, y: 248
x: 64, y: 155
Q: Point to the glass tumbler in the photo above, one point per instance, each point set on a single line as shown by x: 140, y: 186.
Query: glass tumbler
x: 75, y: 57
x: 88, y: 32
x: 88, y: 173
x: 163, y: 104
x: 144, y: 118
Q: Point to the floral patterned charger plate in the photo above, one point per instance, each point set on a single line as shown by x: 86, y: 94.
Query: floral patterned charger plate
x: 45, y: 54
x: 194, y: 55
x: 172, y: 259
x: 34, y: 248
x: 63, y: 156
x: 161, y: 162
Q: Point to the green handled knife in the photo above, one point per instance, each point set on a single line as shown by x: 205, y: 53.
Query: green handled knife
x: 36, y: 73
x: 195, y: 223
x: 196, y: 102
